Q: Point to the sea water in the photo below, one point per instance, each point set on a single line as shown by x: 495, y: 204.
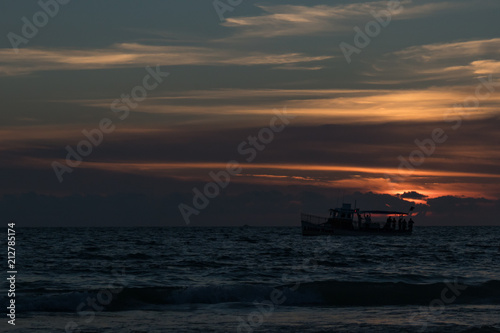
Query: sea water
x: 440, y: 279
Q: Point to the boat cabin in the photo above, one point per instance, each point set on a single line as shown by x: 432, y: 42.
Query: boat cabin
x: 345, y: 212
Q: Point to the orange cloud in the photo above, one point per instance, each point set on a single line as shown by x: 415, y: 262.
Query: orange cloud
x: 318, y: 106
x: 137, y: 55
x: 432, y: 183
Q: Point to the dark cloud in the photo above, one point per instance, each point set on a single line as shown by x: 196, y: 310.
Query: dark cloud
x: 413, y: 195
x: 456, y: 205
x: 450, y: 210
x: 254, y: 207
x: 471, y: 146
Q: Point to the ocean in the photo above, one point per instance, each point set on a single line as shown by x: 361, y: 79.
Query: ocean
x: 249, y: 279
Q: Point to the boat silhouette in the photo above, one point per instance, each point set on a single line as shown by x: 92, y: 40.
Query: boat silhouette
x: 348, y: 221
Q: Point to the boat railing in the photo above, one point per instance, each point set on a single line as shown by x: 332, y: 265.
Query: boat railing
x: 313, y: 218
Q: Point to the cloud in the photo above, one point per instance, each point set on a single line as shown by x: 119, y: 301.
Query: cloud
x: 429, y: 182
x: 413, y: 195
x: 138, y: 55
x: 462, y: 210
x: 480, y: 67
x: 292, y: 20
x: 316, y: 106
x: 454, y: 50
x: 299, y: 68
x: 456, y: 62
x: 457, y: 204
x: 161, y: 168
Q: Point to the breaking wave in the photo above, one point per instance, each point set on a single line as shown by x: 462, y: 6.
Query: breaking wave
x: 322, y: 293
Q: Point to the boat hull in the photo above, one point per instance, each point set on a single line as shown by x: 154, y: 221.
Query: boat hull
x: 312, y: 229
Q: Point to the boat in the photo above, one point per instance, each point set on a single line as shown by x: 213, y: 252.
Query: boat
x: 348, y: 221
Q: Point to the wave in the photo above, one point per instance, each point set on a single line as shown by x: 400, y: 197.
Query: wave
x: 482, y: 329
x: 322, y: 293
x: 399, y: 293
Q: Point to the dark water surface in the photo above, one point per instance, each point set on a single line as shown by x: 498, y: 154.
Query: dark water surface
x: 441, y: 279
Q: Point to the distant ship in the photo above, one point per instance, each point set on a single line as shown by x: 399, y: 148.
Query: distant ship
x: 347, y: 221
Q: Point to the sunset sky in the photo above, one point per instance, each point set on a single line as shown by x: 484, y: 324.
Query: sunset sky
x: 351, y: 128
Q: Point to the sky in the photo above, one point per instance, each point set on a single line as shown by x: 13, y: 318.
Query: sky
x: 208, y: 113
